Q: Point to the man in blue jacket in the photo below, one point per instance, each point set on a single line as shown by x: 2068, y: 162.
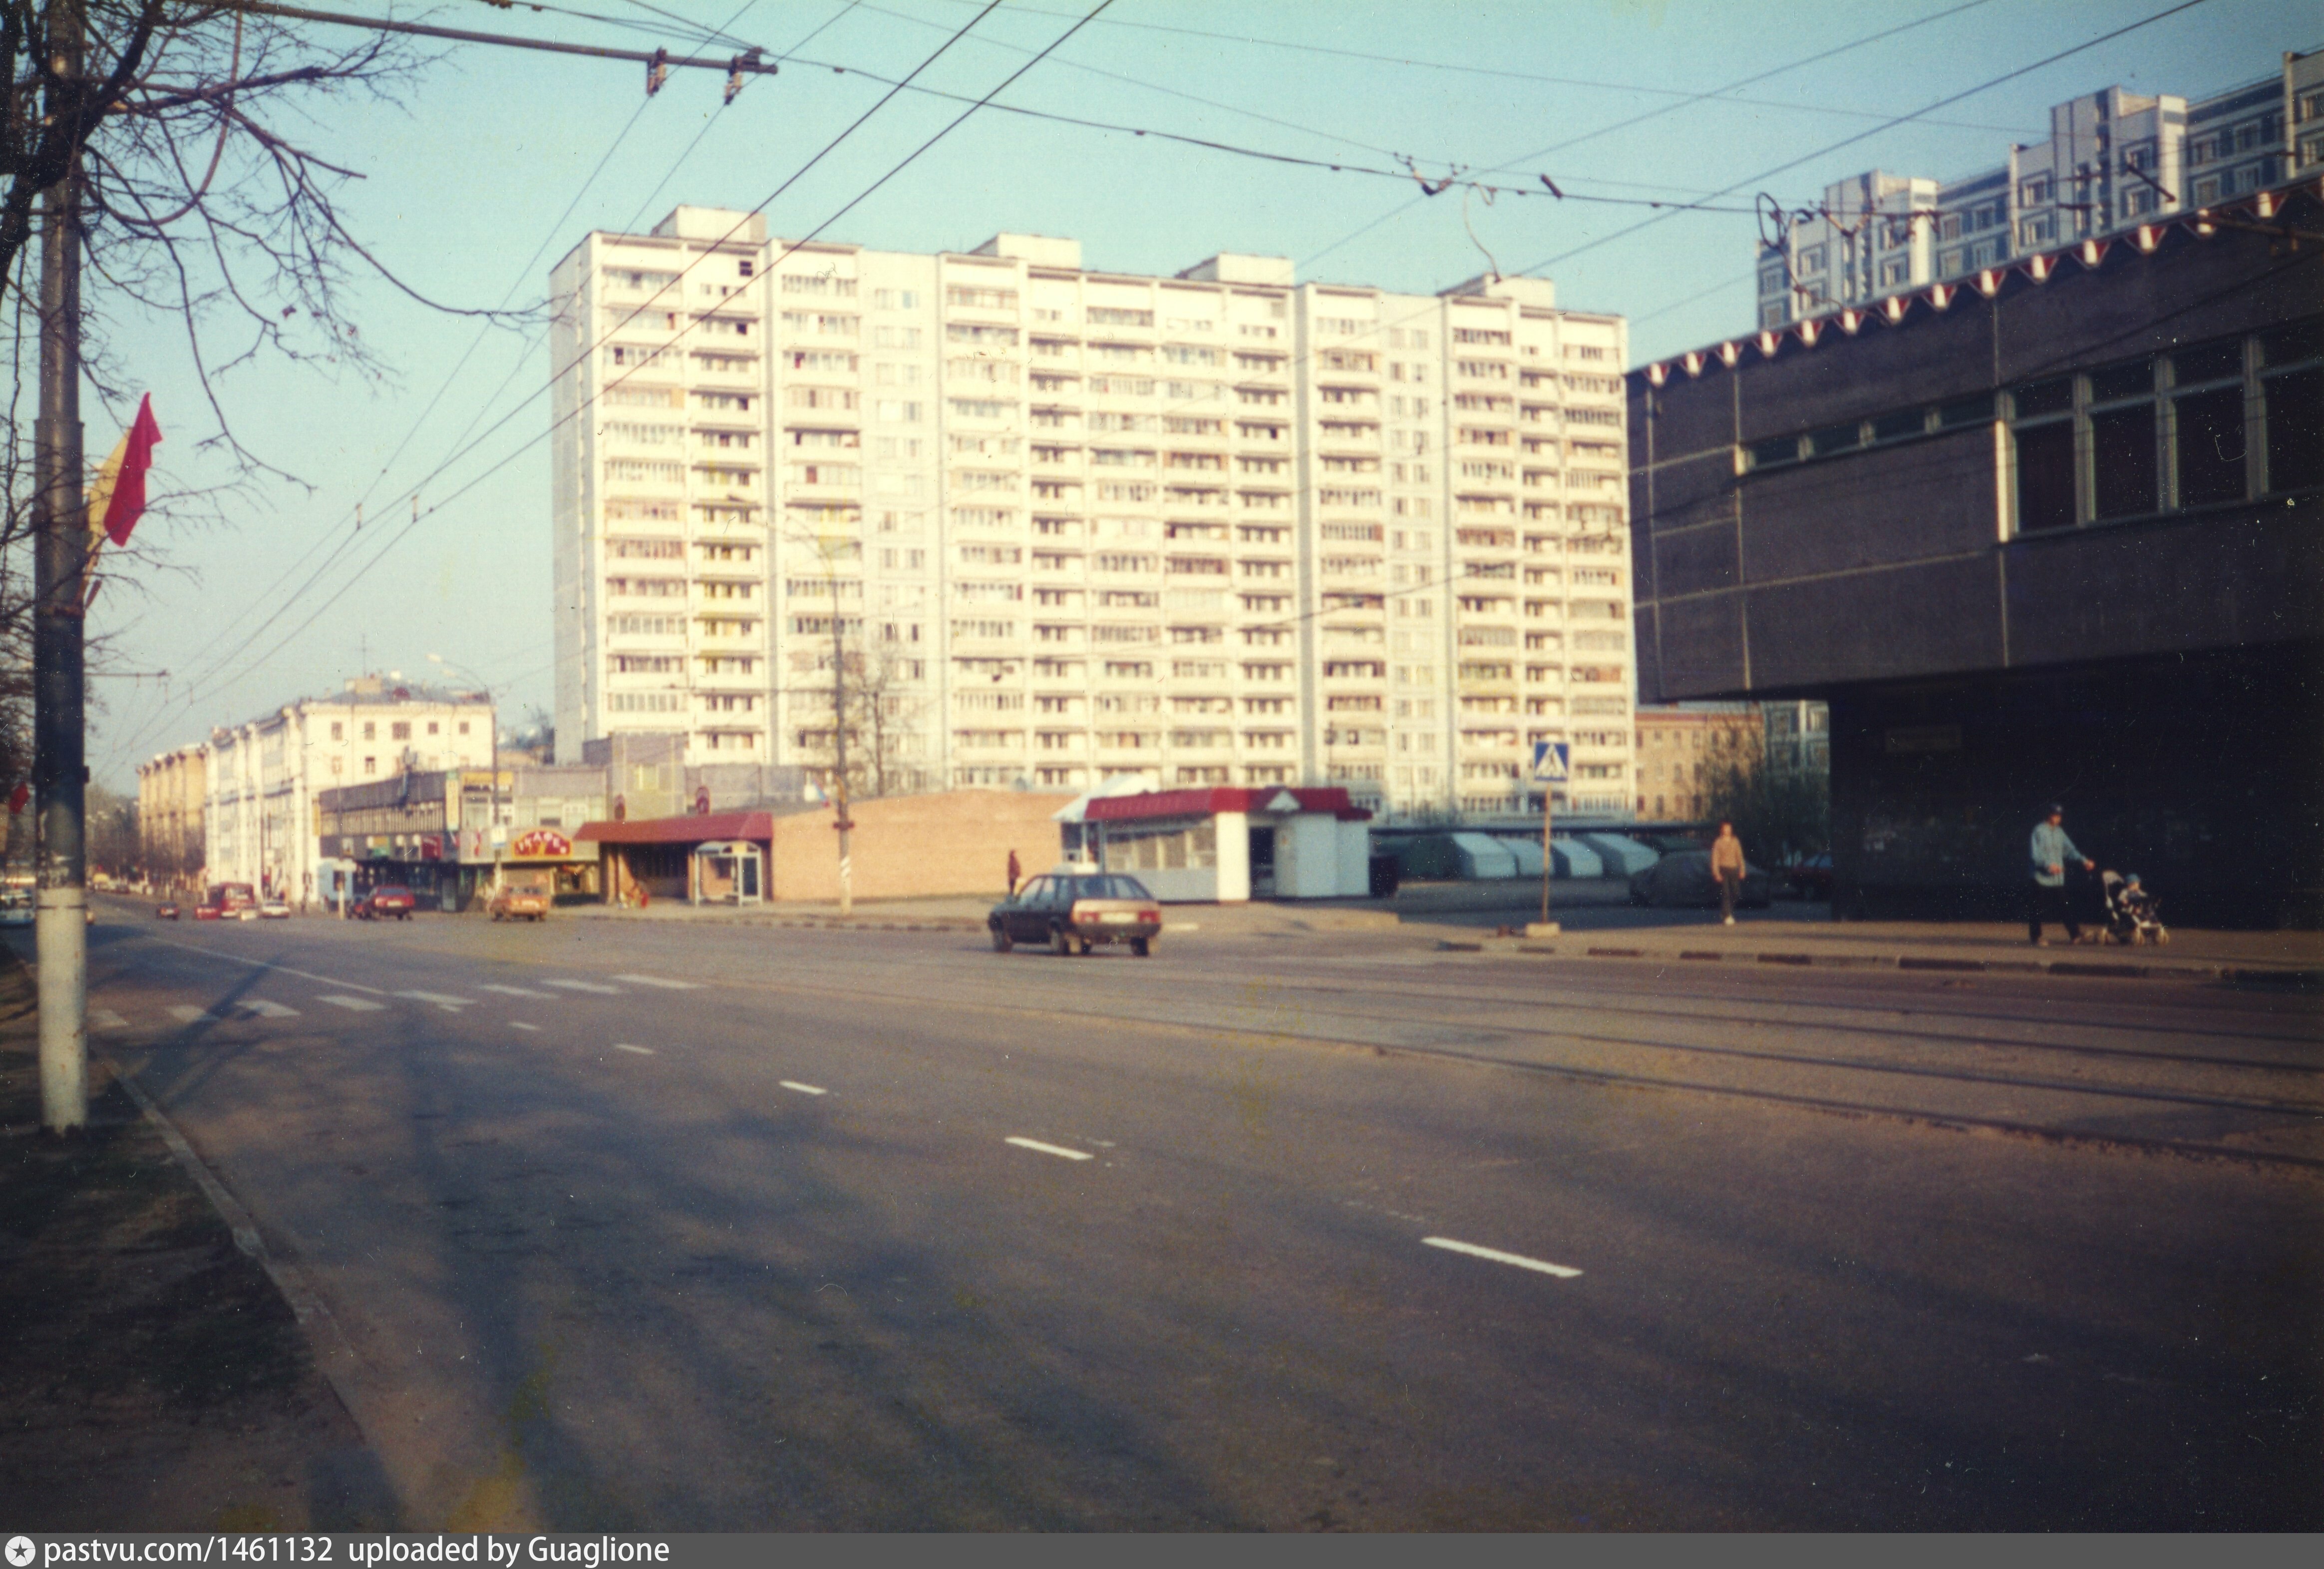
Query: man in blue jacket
x: 2051, y: 851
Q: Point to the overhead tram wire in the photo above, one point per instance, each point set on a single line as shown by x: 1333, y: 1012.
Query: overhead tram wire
x: 792, y: 247
x: 1710, y: 95
x: 1595, y: 84
x: 1916, y: 114
x: 195, y: 684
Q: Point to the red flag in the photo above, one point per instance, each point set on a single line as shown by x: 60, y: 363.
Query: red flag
x: 16, y: 802
x: 126, y: 503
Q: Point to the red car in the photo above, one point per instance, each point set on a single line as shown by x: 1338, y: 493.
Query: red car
x: 387, y: 901
x: 209, y: 912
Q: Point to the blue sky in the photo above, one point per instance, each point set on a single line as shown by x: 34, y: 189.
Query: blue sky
x: 464, y: 186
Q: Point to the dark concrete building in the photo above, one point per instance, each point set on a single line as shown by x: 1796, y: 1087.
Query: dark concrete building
x: 2056, y: 533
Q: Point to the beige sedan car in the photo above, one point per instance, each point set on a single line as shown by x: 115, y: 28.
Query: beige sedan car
x: 1075, y: 912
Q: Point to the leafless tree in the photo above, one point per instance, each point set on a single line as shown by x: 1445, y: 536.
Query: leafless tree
x: 885, y: 703
x: 203, y: 204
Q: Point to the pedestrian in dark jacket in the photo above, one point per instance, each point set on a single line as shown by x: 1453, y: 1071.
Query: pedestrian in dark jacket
x: 1728, y: 866
x: 2051, y: 849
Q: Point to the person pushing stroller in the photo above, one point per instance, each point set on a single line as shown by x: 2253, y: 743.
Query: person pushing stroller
x: 2046, y: 901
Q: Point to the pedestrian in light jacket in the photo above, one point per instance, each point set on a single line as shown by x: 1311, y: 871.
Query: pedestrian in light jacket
x: 2051, y: 849
x: 1726, y: 866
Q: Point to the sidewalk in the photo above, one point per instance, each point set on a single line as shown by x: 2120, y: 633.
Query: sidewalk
x: 1772, y: 938
x: 157, y: 1380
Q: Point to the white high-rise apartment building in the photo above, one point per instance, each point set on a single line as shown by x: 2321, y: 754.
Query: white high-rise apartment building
x: 2113, y: 159
x: 1220, y: 528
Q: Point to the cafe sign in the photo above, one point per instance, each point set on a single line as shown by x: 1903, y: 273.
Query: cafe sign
x: 541, y: 844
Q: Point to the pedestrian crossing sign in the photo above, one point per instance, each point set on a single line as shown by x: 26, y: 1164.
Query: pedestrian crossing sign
x: 1549, y: 763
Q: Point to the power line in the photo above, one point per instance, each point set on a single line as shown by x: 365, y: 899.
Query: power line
x: 1688, y: 102
x: 792, y: 248
x: 1647, y: 89
x: 1792, y: 164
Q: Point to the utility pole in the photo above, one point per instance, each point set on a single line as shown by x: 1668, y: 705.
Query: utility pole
x: 61, y: 529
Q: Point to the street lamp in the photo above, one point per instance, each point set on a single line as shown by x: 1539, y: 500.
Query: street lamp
x: 492, y: 821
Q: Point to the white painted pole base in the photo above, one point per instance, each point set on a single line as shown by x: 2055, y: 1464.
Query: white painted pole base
x: 60, y: 943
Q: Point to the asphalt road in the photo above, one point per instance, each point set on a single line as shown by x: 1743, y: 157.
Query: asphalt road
x: 681, y: 1227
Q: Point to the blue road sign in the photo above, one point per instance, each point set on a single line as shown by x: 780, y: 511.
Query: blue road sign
x: 1549, y: 759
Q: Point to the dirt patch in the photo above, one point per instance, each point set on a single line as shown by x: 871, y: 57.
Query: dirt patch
x: 152, y: 1379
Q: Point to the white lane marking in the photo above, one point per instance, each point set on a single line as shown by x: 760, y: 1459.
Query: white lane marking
x: 520, y: 1024
x: 266, y: 1009
x: 444, y: 1000
x: 658, y: 981
x: 802, y: 1089
x: 641, y: 1051
x: 106, y: 1018
x: 584, y: 986
x: 262, y: 964
x: 1562, y: 1271
x: 517, y: 991
x: 1058, y: 1151
x: 187, y: 1013
x: 353, y: 1004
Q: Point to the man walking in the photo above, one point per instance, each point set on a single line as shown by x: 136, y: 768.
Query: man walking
x: 1016, y: 872
x: 1727, y: 867
x: 2051, y: 850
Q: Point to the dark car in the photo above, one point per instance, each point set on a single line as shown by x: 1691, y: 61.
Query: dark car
x: 1809, y: 877
x: 388, y: 900
x: 1683, y: 881
x: 165, y: 912
x: 1073, y: 912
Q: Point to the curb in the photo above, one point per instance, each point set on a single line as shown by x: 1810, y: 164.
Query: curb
x: 2070, y: 968
x: 335, y: 1355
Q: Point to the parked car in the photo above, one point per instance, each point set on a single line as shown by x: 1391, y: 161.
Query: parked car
x: 525, y: 893
x: 1809, y: 877
x: 1073, y: 912
x: 16, y: 906
x: 1685, y: 881
x: 167, y: 912
x: 273, y: 908
x: 388, y: 900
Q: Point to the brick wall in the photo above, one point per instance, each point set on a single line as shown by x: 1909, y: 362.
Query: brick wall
x: 918, y: 846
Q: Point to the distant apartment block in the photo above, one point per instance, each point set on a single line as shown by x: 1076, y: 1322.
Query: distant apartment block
x: 171, y: 789
x: 1061, y: 524
x: 261, y: 777
x: 2113, y: 160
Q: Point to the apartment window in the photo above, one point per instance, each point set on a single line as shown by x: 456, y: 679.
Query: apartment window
x: 338, y: 730
x: 370, y: 766
x: 371, y: 733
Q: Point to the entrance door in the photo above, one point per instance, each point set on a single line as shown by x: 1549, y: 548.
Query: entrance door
x: 1262, y: 864
x: 747, y: 885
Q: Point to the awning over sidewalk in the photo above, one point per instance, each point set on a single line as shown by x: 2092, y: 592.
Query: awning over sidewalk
x: 686, y: 830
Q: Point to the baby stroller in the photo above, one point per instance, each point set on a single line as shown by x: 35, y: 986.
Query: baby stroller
x: 2131, y: 916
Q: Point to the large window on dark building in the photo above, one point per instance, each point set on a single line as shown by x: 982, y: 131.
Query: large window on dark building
x: 2206, y: 418
x: 2291, y: 388
x: 2045, y: 455
x: 2122, y: 441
